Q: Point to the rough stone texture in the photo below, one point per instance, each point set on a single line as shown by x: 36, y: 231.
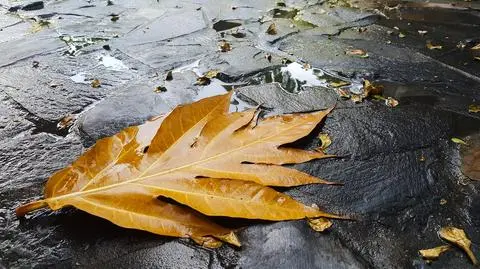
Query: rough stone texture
x: 396, y: 163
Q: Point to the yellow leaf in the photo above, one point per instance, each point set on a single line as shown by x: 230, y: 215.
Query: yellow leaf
x: 474, y: 108
x: 215, y: 163
x: 325, y: 139
x: 433, y: 253
x: 96, y: 83
x: 319, y: 224
x: 430, y: 46
x: 460, y: 239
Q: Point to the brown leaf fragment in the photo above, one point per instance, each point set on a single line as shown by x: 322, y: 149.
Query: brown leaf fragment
x: 66, y: 122
x: 224, y: 46
x: 320, y: 224
x: 433, y: 253
x: 272, y: 29
x: 476, y: 47
x: 357, y: 53
x: 459, y: 238
x: 96, y: 83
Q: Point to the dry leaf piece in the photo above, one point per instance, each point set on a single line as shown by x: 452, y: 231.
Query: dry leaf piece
x: 433, y: 253
x: 224, y: 46
x: 325, y: 139
x: 66, y: 122
x: 474, y: 108
x: 272, y: 29
x: 96, y: 83
x: 225, y: 173
x: 357, y: 53
x: 320, y: 224
x: 460, y: 239
x: 430, y: 46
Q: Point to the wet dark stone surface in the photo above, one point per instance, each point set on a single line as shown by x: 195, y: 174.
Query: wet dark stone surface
x: 396, y: 164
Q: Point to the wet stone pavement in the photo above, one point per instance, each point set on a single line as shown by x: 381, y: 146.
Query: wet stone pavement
x: 404, y: 177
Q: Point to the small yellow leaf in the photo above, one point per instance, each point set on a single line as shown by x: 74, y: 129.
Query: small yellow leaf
x: 319, y: 224
x: 433, y: 253
x: 476, y: 47
x: 430, y: 46
x: 460, y: 239
x: 272, y: 29
x: 96, y: 83
x: 401, y: 35
x: 474, y: 108
x: 443, y: 201
x: 458, y: 141
x: 326, y: 141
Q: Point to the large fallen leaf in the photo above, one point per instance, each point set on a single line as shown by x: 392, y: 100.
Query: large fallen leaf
x: 459, y: 238
x: 216, y: 163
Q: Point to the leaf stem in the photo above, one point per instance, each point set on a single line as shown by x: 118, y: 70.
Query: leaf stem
x: 32, y: 206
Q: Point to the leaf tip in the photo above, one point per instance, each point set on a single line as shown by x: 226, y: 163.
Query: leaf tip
x: 230, y: 238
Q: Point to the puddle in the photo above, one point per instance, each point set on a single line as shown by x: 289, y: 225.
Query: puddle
x: 224, y: 25
x: 293, y: 77
x: 112, y: 63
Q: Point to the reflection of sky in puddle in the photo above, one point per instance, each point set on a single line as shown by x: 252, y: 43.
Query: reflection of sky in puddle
x: 79, y: 78
x: 306, y: 77
x: 112, y: 63
x: 292, y: 77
